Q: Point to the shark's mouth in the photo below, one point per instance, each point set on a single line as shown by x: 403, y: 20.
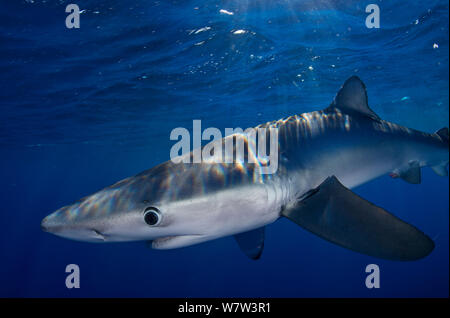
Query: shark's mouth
x: 99, y: 235
x: 169, y: 242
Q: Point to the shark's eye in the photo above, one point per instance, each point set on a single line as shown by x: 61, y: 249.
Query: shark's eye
x: 152, y: 216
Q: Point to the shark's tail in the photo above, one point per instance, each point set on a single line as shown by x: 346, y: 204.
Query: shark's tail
x: 441, y: 169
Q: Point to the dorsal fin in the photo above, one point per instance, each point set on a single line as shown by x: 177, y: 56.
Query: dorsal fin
x: 352, y: 97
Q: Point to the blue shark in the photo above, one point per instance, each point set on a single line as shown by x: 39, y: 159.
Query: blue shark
x: 322, y: 155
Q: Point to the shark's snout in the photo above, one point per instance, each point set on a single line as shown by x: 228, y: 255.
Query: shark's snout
x: 93, y: 219
x: 49, y: 225
x: 62, y: 224
x: 44, y: 226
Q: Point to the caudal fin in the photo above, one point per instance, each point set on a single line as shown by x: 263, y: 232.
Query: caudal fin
x: 441, y: 169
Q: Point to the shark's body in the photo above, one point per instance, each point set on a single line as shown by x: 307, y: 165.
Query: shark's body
x: 193, y: 203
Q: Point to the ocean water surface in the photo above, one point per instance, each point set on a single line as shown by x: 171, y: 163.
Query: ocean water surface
x: 84, y: 108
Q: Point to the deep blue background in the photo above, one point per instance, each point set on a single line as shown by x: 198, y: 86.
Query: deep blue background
x: 81, y: 109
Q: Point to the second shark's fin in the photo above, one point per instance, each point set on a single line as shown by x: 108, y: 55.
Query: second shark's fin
x: 443, y: 133
x: 440, y: 170
x: 352, y: 97
x: 412, y: 174
x: 251, y: 242
x: 338, y: 215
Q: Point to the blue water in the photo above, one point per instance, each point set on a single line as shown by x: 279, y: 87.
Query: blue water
x: 83, y: 108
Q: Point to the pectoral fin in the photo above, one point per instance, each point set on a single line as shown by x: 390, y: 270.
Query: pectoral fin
x: 251, y: 242
x: 338, y: 215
